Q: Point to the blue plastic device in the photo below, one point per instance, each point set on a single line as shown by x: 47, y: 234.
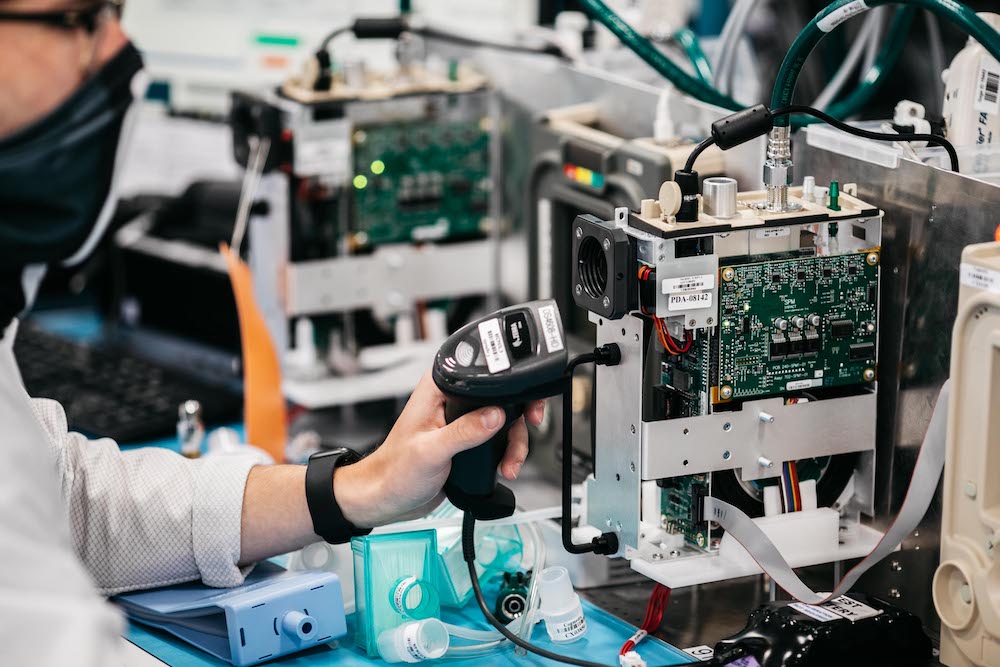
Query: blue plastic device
x: 274, y: 613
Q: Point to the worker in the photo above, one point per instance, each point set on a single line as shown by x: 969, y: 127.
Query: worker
x: 78, y: 518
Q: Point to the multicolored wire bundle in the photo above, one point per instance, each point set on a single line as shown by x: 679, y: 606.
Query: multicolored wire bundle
x: 655, y: 609
x: 791, y: 495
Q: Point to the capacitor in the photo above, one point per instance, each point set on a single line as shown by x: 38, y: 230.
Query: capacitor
x: 815, y: 320
x: 781, y: 323
x: 799, y: 322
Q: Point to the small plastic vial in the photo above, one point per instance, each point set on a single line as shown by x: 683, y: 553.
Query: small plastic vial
x: 560, y: 606
x: 414, y: 642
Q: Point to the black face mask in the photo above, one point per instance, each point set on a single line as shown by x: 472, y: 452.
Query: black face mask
x: 56, y: 174
x: 56, y: 177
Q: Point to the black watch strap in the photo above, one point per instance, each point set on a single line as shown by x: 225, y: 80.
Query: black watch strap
x: 327, y: 518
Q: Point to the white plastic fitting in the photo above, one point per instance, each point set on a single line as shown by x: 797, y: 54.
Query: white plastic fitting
x: 414, y: 642
x: 299, y: 626
x: 560, y: 606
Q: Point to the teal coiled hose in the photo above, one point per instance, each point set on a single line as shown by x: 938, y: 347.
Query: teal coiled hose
x: 839, y: 10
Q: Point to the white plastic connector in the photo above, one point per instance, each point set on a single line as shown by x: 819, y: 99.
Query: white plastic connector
x: 663, y: 125
x: 631, y: 659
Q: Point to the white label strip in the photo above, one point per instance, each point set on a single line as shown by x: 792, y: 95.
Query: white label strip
x: 773, y: 232
x: 819, y: 612
x: 979, y: 277
x: 493, y: 346
x: 851, y: 609
x: 550, y: 328
x: 703, y: 653
x: 795, y: 385
x: 836, y: 17
x: 988, y: 86
x: 689, y: 283
x: 690, y: 301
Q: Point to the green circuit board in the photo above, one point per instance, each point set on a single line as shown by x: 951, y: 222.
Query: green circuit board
x: 761, y: 352
x: 682, y: 502
x: 684, y: 381
x: 421, y: 181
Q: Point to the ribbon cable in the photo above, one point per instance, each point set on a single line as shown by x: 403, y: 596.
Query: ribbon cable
x: 919, y: 495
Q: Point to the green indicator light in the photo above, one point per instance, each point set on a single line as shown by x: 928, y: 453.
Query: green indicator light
x: 277, y: 40
x: 360, y: 181
x: 378, y: 167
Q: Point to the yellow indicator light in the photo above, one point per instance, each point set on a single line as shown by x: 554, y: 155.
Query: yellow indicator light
x: 378, y: 167
x: 583, y: 175
x: 360, y: 181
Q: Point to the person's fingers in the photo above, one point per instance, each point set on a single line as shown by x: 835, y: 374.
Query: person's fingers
x: 469, y: 430
x: 534, y: 412
x: 517, y: 450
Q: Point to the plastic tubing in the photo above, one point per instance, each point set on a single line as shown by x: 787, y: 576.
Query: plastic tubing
x: 655, y: 58
x: 692, y: 48
x: 491, y: 639
x: 950, y: 10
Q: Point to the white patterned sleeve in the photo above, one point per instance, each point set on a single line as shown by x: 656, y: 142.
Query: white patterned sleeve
x: 147, y: 517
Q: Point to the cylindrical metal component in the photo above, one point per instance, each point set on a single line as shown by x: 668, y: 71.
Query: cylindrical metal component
x: 765, y: 462
x: 777, y: 198
x: 719, y: 196
x: 781, y: 323
x: 815, y: 320
x: 190, y: 428
x: 766, y: 417
x: 779, y: 143
x: 778, y: 168
x: 799, y: 322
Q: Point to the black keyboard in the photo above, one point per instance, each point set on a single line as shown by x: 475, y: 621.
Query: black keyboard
x: 112, y: 392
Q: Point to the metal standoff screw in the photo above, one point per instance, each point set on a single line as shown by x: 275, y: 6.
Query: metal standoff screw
x: 765, y: 462
x: 579, y: 232
x: 766, y: 417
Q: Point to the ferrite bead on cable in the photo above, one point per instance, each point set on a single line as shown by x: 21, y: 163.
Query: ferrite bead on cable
x: 742, y: 126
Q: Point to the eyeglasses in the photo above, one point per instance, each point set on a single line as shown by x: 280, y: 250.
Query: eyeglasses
x: 88, y: 18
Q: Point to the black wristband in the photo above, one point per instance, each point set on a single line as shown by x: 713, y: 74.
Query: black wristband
x: 327, y: 517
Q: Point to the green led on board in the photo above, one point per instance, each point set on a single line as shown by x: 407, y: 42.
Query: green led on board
x: 360, y: 181
x: 378, y: 167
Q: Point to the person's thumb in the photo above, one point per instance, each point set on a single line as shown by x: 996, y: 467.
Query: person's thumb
x: 471, y: 429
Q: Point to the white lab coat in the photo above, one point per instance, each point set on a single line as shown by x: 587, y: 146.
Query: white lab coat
x: 80, y: 519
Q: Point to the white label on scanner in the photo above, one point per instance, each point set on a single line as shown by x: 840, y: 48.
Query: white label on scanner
x: 689, y: 283
x: 494, y: 348
x: 773, y: 232
x: 818, y: 612
x: 703, y: 653
x: 838, y: 16
x: 988, y: 87
x: 550, y: 328
x: 690, y: 301
x: 851, y: 609
x: 841, y: 608
x: 980, y: 278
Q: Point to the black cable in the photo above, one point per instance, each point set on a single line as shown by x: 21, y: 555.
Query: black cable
x: 698, y: 150
x: 867, y: 134
x: 325, y: 44
x: 473, y: 42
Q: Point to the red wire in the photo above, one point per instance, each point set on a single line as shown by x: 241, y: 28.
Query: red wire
x: 655, y: 609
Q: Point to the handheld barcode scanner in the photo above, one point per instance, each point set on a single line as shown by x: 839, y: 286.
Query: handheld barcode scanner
x: 509, y: 358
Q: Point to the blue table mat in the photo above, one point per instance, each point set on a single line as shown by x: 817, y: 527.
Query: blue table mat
x: 605, y: 636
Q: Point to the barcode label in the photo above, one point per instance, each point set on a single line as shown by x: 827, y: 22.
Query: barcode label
x: 493, y: 346
x: 980, y: 277
x: 838, y: 16
x: 551, y: 328
x: 690, y: 301
x: 988, y: 87
x: 689, y: 283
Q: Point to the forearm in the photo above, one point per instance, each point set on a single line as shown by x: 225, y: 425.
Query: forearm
x: 276, y: 516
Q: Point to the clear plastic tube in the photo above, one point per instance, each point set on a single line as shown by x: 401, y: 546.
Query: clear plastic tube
x: 490, y: 639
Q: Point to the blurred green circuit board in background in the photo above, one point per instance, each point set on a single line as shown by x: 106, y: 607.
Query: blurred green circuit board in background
x: 682, y: 503
x: 421, y: 181
x: 756, y: 358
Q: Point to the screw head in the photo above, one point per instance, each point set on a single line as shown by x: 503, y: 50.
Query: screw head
x: 726, y: 392
x: 606, y: 302
x: 868, y: 375
x: 728, y: 274
x: 657, y: 556
x: 970, y: 489
x: 631, y: 466
x: 692, y: 323
x: 896, y: 566
x: 726, y: 455
x: 872, y: 258
x: 579, y: 290
x: 991, y: 548
x: 894, y: 593
x: 710, y: 321
x: 632, y: 428
x: 727, y: 427
x: 579, y: 232
x: 607, y: 244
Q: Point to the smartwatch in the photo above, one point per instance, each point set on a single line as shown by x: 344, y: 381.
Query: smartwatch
x: 327, y: 518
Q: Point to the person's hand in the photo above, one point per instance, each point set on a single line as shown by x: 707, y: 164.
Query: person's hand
x: 404, y: 477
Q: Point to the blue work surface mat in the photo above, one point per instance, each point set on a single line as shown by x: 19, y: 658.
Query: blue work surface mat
x: 605, y: 635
